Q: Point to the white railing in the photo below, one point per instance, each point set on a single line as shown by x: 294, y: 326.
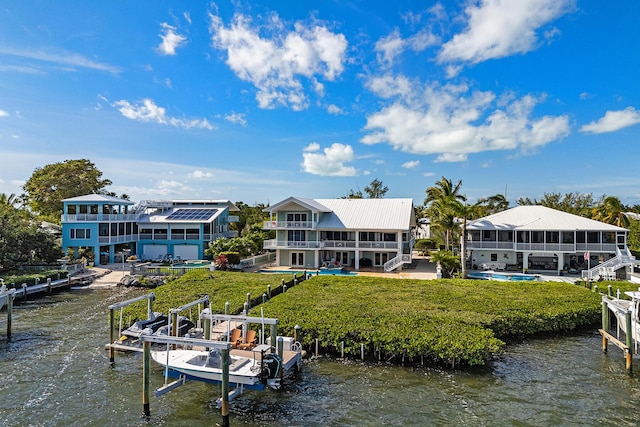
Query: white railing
x: 338, y: 244
x: 118, y: 239
x: 272, y: 225
x: 394, y: 263
x: 98, y: 217
x: 620, y: 260
x: 258, y: 259
x: 378, y: 245
x: 331, y: 244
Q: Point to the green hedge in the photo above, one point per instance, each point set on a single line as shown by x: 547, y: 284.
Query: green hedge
x: 453, y: 322
x: 30, y: 279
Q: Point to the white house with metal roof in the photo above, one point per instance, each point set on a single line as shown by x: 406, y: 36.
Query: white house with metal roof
x: 152, y: 229
x: 312, y: 233
x: 541, y: 238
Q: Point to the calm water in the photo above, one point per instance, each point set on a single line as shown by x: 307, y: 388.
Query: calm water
x: 55, y: 372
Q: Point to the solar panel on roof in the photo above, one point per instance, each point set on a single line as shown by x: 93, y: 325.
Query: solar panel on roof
x: 192, y: 214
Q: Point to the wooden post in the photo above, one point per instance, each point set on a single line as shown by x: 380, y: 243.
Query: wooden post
x: 248, y: 302
x: 628, y: 354
x: 605, y: 343
x: 316, y: 347
x: 150, y: 307
x: 146, y: 377
x: 605, y: 316
x: 362, y: 351
x: 269, y: 291
x: 206, y: 324
x: 49, y: 285
x: 225, y: 387
x: 264, y: 298
x: 112, y: 336
x: 9, y: 312
x: 284, y: 288
x: 226, y: 308
x: 341, y: 349
x: 610, y: 290
x: 274, y: 335
x: 281, y: 354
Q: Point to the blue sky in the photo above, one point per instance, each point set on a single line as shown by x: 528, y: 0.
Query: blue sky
x: 258, y: 101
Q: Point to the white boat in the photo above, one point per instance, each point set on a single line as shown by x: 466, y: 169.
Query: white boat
x: 261, y: 369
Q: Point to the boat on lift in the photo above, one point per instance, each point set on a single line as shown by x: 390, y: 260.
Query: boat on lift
x: 257, y: 367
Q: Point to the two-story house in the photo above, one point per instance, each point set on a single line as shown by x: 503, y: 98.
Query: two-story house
x: 311, y: 233
x: 152, y: 229
x: 541, y: 238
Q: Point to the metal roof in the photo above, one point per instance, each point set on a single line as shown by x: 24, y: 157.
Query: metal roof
x: 99, y: 198
x: 538, y: 218
x: 291, y: 202
x: 367, y: 214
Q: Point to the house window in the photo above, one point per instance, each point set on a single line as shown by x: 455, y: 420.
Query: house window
x: 537, y: 237
x: 297, y: 217
x: 296, y: 235
x: 567, y: 237
x: 553, y: 237
x: 505, y: 236
x: 80, y: 233
x: 494, y: 257
x: 367, y: 236
x: 103, y: 229
x: 389, y: 237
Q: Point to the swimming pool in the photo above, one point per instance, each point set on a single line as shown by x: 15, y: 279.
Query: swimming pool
x: 511, y: 277
x: 322, y: 272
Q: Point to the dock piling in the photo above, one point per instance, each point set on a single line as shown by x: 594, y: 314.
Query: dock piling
x: 225, y: 387
x: 146, y: 377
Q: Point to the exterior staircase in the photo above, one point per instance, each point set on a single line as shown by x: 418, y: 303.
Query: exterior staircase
x: 607, y: 269
x: 396, y: 262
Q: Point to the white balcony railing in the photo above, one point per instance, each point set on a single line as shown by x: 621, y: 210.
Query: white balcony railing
x: 99, y: 217
x: 543, y: 247
x: 118, y: 239
x: 289, y: 225
x: 328, y: 244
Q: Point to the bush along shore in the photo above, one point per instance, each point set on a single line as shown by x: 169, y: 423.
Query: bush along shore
x: 449, y: 322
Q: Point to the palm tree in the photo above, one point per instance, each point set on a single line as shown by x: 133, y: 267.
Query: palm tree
x: 444, y: 204
x: 611, y: 211
x: 493, y: 204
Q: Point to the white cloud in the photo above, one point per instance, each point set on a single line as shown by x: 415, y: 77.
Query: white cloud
x: 276, y: 64
x: 171, y: 40
x: 59, y: 57
x: 147, y: 111
x: 411, y: 164
x: 453, y: 121
x: 331, y: 162
x: 428, y: 174
x: 499, y: 28
x: 236, y: 118
x: 4, y: 113
x: 389, y: 47
x: 334, y: 109
x: 613, y: 121
x: 198, y: 174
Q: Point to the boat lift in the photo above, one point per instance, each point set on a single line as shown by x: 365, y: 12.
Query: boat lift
x: 626, y: 313
x: 224, y: 347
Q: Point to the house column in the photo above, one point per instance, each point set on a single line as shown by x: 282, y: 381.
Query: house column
x: 525, y: 261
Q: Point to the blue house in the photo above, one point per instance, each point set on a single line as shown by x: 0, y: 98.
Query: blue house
x: 151, y: 229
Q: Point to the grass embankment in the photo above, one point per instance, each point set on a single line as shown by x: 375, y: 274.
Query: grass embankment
x: 454, y: 322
